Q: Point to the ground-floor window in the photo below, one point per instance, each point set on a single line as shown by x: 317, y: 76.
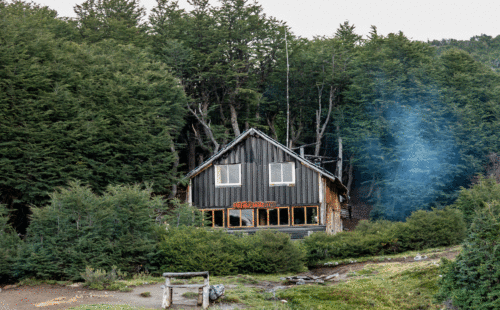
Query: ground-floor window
x: 273, y: 217
x: 258, y: 217
x: 240, y: 217
x: 213, y: 218
x: 307, y: 215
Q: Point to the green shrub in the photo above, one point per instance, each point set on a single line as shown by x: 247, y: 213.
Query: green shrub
x: 427, y: 229
x: 80, y: 228
x: 187, y: 249
x: 10, y: 246
x: 472, y: 280
x: 423, y: 229
x: 99, y: 278
x: 472, y: 199
x: 272, y: 252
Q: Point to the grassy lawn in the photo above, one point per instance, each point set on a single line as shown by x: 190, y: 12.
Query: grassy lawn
x: 377, y: 286
x: 383, y: 285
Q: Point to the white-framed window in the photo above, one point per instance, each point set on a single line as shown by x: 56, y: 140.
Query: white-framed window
x: 282, y: 173
x: 228, y: 175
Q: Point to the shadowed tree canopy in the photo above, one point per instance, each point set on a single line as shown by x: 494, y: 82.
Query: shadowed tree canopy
x: 101, y: 113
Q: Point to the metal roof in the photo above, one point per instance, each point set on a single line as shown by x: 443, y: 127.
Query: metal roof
x: 253, y: 131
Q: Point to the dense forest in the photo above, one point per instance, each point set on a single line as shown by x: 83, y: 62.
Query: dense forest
x: 113, y: 97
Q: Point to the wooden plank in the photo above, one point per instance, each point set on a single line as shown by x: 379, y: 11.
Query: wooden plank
x: 315, y: 186
x: 265, y: 173
x: 186, y: 274
x: 248, y: 180
x: 186, y: 285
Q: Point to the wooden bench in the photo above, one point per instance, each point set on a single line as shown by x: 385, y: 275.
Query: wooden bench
x: 203, y: 289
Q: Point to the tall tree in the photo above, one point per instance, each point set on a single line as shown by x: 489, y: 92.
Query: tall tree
x: 120, y: 20
x: 226, y: 54
x: 100, y: 113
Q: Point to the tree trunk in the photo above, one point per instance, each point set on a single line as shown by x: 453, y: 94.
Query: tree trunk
x: 234, y: 120
x: 320, y: 129
x: 349, y: 180
x: 192, y: 153
x: 174, y: 170
x: 339, y: 159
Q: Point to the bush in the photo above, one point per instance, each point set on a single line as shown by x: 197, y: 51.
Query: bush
x: 471, y: 281
x: 10, y: 246
x: 187, y: 249
x: 99, y: 278
x: 272, y: 252
x: 423, y: 229
x: 436, y: 228
x: 80, y: 228
x: 473, y: 199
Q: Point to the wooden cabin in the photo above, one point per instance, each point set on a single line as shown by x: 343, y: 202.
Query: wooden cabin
x: 256, y: 182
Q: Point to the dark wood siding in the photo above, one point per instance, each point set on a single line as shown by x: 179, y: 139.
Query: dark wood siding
x: 254, y: 154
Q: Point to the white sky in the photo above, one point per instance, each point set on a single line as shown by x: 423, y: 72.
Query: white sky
x: 418, y: 19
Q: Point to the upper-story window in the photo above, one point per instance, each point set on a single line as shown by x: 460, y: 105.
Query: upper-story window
x: 282, y: 173
x: 228, y: 175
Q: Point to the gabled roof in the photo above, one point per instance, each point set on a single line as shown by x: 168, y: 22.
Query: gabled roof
x: 252, y: 132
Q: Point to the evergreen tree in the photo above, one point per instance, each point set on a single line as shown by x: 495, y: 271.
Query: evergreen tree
x: 100, y: 113
x: 120, y: 20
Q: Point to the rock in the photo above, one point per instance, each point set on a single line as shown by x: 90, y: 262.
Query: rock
x: 301, y: 282
x: 331, y: 277
x: 283, y: 301
x: 216, y: 291
x: 8, y: 287
x: 283, y: 279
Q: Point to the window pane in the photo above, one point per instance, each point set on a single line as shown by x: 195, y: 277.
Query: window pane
x: 222, y: 174
x: 234, y: 174
x: 287, y: 172
x: 208, y: 218
x: 284, y: 216
x: 262, y: 214
x: 218, y: 218
x: 312, y: 215
x: 246, y: 218
x: 275, y: 173
x: 298, y: 216
x: 273, y: 216
x: 234, y: 218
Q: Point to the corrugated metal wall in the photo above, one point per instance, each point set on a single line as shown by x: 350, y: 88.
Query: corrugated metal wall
x: 255, y: 154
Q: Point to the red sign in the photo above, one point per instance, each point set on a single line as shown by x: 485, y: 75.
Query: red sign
x: 256, y: 204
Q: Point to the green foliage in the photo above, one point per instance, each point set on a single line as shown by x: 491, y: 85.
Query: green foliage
x: 199, y: 249
x: 112, y: 19
x: 473, y: 199
x: 184, y: 214
x: 10, y: 246
x: 102, y: 113
x: 422, y: 230
x: 471, y: 281
x: 100, y: 278
x: 272, y: 252
x: 80, y: 228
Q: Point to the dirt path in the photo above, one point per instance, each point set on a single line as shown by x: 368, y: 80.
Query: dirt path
x: 54, y: 297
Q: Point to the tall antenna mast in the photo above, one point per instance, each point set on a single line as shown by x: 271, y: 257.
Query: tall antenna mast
x: 287, y: 98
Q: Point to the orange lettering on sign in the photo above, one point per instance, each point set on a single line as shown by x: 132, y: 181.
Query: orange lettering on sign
x: 256, y: 204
